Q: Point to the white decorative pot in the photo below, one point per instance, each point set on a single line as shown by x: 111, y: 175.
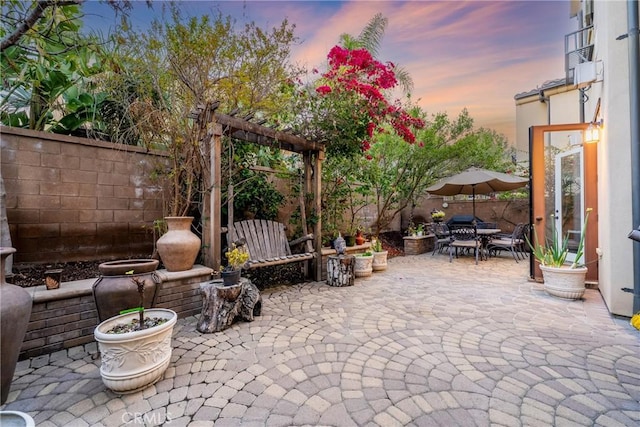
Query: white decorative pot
x: 380, y: 260
x: 564, y: 282
x: 363, y: 266
x: 134, y: 360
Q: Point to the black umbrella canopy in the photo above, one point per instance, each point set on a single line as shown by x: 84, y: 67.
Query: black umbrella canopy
x: 477, y: 181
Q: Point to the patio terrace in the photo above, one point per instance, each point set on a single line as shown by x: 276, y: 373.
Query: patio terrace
x: 426, y: 342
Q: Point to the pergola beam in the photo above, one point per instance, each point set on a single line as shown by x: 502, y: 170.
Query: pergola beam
x: 242, y: 129
x: 264, y: 135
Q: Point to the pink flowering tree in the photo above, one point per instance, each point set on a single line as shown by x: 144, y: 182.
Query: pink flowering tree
x: 352, y: 102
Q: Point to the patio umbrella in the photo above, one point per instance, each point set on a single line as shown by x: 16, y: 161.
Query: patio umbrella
x: 477, y: 181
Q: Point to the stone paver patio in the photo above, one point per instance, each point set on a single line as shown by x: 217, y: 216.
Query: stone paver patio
x: 426, y: 342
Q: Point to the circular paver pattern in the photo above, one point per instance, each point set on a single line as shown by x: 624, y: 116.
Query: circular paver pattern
x: 424, y: 343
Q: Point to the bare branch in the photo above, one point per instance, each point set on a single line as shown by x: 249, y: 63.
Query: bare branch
x: 31, y: 20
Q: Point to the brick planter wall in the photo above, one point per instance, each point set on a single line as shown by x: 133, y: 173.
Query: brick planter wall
x: 66, y: 317
x: 414, y: 245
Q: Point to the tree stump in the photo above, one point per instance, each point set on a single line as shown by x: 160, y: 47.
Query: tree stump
x: 340, y: 270
x: 221, y: 305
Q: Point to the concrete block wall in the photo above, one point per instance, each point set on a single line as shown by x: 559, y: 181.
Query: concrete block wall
x: 73, y: 199
x: 67, y: 316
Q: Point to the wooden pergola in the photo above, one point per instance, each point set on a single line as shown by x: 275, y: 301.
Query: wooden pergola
x: 219, y: 125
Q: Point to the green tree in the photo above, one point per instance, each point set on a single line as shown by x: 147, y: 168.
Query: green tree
x: 398, y: 174
x: 181, y: 66
x: 49, y: 67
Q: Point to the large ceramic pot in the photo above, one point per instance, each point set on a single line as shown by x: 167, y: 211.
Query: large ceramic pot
x: 564, y: 282
x: 15, y: 311
x: 115, y: 290
x: 380, y: 260
x: 363, y: 266
x: 134, y: 360
x: 179, y: 246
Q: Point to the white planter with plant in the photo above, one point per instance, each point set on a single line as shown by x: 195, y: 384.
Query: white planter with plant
x: 135, y: 347
x: 379, y: 256
x: 561, y: 279
x: 364, y: 264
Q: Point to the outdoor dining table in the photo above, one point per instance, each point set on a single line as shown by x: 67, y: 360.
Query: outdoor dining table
x: 485, y: 235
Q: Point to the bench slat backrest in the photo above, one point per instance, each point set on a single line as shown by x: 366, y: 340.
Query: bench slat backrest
x: 265, y: 239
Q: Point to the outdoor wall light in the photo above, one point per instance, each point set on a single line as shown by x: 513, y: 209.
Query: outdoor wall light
x: 592, y: 133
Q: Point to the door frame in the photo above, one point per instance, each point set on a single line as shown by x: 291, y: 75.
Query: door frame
x: 537, y: 206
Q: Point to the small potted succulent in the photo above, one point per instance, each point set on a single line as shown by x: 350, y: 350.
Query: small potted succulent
x: 237, y: 256
x: 379, y: 255
x: 364, y: 264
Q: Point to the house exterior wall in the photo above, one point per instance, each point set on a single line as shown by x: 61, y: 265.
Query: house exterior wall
x: 73, y: 199
x: 561, y: 105
x: 530, y: 111
x: 614, y: 148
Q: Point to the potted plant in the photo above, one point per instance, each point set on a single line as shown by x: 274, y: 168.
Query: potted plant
x: 364, y: 264
x: 411, y: 230
x: 437, y: 215
x: 350, y: 238
x: 237, y: 256
x: 135, y: 346
x: 420, y: 230
x: 379, y: 255
x: 360, y: 239
x: 562, y: 279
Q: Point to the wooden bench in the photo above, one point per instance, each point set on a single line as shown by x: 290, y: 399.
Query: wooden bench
x: 267, y: 243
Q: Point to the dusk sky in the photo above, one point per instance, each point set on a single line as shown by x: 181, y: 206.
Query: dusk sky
x: 476, y: 54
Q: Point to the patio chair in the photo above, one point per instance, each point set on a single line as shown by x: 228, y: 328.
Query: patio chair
x: 441, y: 231
x: 513, y: 243
x: 464, y: 239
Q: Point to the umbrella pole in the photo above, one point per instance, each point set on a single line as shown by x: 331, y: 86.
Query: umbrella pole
x: 473, y: 200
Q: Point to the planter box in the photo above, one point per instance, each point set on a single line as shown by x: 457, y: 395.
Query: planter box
x: 416, y: 245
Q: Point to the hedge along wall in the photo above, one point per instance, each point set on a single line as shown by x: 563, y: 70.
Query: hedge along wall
x: 72, y: 199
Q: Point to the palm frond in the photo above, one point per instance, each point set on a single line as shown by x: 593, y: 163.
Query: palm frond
x: 371, y: 35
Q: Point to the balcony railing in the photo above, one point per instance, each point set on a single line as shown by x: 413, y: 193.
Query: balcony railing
x: 578, y: 48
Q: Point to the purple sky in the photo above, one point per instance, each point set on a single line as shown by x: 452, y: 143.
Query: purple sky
x: 476, y: 54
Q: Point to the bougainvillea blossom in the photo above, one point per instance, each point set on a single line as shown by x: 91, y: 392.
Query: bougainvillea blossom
x: 357, y: 72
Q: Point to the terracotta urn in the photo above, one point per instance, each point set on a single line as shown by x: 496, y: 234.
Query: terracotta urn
x: 179, y: 246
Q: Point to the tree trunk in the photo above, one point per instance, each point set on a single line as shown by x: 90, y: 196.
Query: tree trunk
x: 340, y: 270
x: 221, y: 305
